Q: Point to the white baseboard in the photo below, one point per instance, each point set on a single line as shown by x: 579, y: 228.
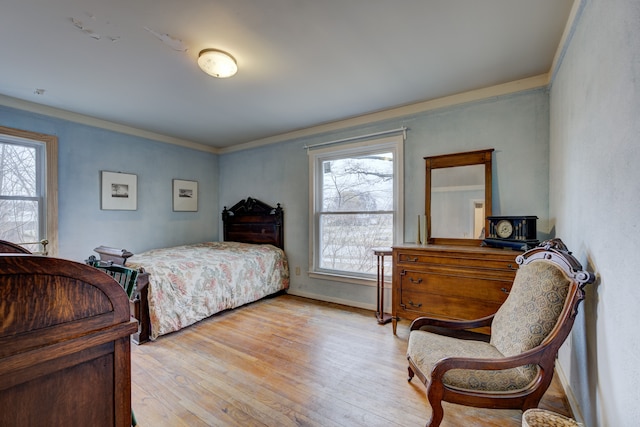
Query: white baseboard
x: 349, y: 303
x: 571, y: 398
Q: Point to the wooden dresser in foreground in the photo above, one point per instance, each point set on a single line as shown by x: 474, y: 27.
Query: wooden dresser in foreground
x: 450, y: 282
x: 64, y: 345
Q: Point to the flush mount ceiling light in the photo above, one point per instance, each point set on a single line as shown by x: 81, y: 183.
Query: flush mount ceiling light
x: 217, y: 63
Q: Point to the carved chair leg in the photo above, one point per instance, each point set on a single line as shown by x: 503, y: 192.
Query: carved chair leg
x: 437, y: 413
x: 411, y: 374
x: 434, y: 396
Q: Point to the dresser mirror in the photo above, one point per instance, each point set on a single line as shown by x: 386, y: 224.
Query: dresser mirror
x: 458, y: 197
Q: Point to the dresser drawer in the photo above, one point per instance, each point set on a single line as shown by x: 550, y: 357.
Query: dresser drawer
x: 469, y: 288
x: 414, y: 304
x: 462, y: 272
x: 450, y: 282
x: 498, y: 262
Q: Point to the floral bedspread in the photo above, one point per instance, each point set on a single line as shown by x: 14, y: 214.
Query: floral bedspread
x: 191, y: 282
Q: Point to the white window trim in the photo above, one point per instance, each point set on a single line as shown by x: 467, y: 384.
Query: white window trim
x: 51, y: 172
x: 394, y: 144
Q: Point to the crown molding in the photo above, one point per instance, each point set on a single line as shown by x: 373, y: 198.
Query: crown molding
x: 58, y: 113
x: 530, y: 83
x: 567, y: 35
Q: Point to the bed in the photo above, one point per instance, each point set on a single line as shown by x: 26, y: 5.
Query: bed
x: 181, y: 285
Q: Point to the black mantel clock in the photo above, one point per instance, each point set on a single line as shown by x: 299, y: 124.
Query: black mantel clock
x: 515, y: 232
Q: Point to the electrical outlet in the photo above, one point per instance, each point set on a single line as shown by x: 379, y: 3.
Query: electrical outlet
x: 297, y: 271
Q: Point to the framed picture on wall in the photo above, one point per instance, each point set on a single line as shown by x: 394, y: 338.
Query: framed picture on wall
x: 119, y: 191
x: 185, y: 196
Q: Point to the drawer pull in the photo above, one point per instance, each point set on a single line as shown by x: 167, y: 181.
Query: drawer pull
x: 415, y: 259
x: 505, y: 290
x: 511, y: 267
x: 413, y: 304
x: 415, y: 281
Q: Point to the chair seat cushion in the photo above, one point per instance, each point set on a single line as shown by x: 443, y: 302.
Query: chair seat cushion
x: 426, y: 348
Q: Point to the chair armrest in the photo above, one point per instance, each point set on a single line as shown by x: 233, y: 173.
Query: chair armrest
x: 451, y: 324
x: 535, y: 356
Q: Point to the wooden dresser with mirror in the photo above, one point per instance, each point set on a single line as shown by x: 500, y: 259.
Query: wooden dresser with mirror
x: 448, y: 274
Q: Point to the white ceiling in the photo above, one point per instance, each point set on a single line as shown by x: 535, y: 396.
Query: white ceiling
x: 302, y: 63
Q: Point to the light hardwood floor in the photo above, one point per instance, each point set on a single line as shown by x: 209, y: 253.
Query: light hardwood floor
x: 290, y: 361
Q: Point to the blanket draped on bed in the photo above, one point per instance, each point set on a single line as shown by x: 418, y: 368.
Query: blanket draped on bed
x: 191, y: 282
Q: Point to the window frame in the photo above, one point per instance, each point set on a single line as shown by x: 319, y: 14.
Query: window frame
x: 49, y: 174
x: 317, y: 156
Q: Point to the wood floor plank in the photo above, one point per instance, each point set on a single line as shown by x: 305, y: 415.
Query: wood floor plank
x: 291, y: 361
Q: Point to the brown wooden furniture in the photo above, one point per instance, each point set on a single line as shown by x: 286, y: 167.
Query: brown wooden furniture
x: 453, y: 276
x: 515, y: 368
x: 380, y: 253
x: 64, y: 344
x: 450, y: 282
x: 458, y: 197
x: 253, y: 221
x: 12, y: 248
x: 248, y: 221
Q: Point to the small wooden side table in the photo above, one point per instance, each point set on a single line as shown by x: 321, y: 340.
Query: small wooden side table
x: 380, y: 253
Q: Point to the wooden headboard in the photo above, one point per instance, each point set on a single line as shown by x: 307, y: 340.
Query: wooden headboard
x: 253, y: 221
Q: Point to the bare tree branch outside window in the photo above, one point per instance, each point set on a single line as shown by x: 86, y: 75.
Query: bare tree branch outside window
x: 357, y: 211
x: 19, y: 198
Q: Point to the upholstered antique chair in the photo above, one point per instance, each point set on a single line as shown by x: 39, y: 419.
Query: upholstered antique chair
x: 514, y: 366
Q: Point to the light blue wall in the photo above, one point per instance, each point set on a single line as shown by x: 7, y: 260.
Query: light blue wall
x: 516, y: 126
x: 84, y: 151
x: 570, y: 157
x: 595, y: 204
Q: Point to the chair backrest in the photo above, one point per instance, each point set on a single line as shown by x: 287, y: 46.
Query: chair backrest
x: 125, y: 276
x: 548, y: 279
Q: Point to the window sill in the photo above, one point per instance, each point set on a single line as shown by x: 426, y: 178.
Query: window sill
x: 344, y: 278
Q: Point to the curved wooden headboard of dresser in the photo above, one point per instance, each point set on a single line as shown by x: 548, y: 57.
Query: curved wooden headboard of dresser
x: 64, y: 344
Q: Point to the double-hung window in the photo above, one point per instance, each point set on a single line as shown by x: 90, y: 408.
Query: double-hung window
x: 28, y: 182
x: 356, y: 202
